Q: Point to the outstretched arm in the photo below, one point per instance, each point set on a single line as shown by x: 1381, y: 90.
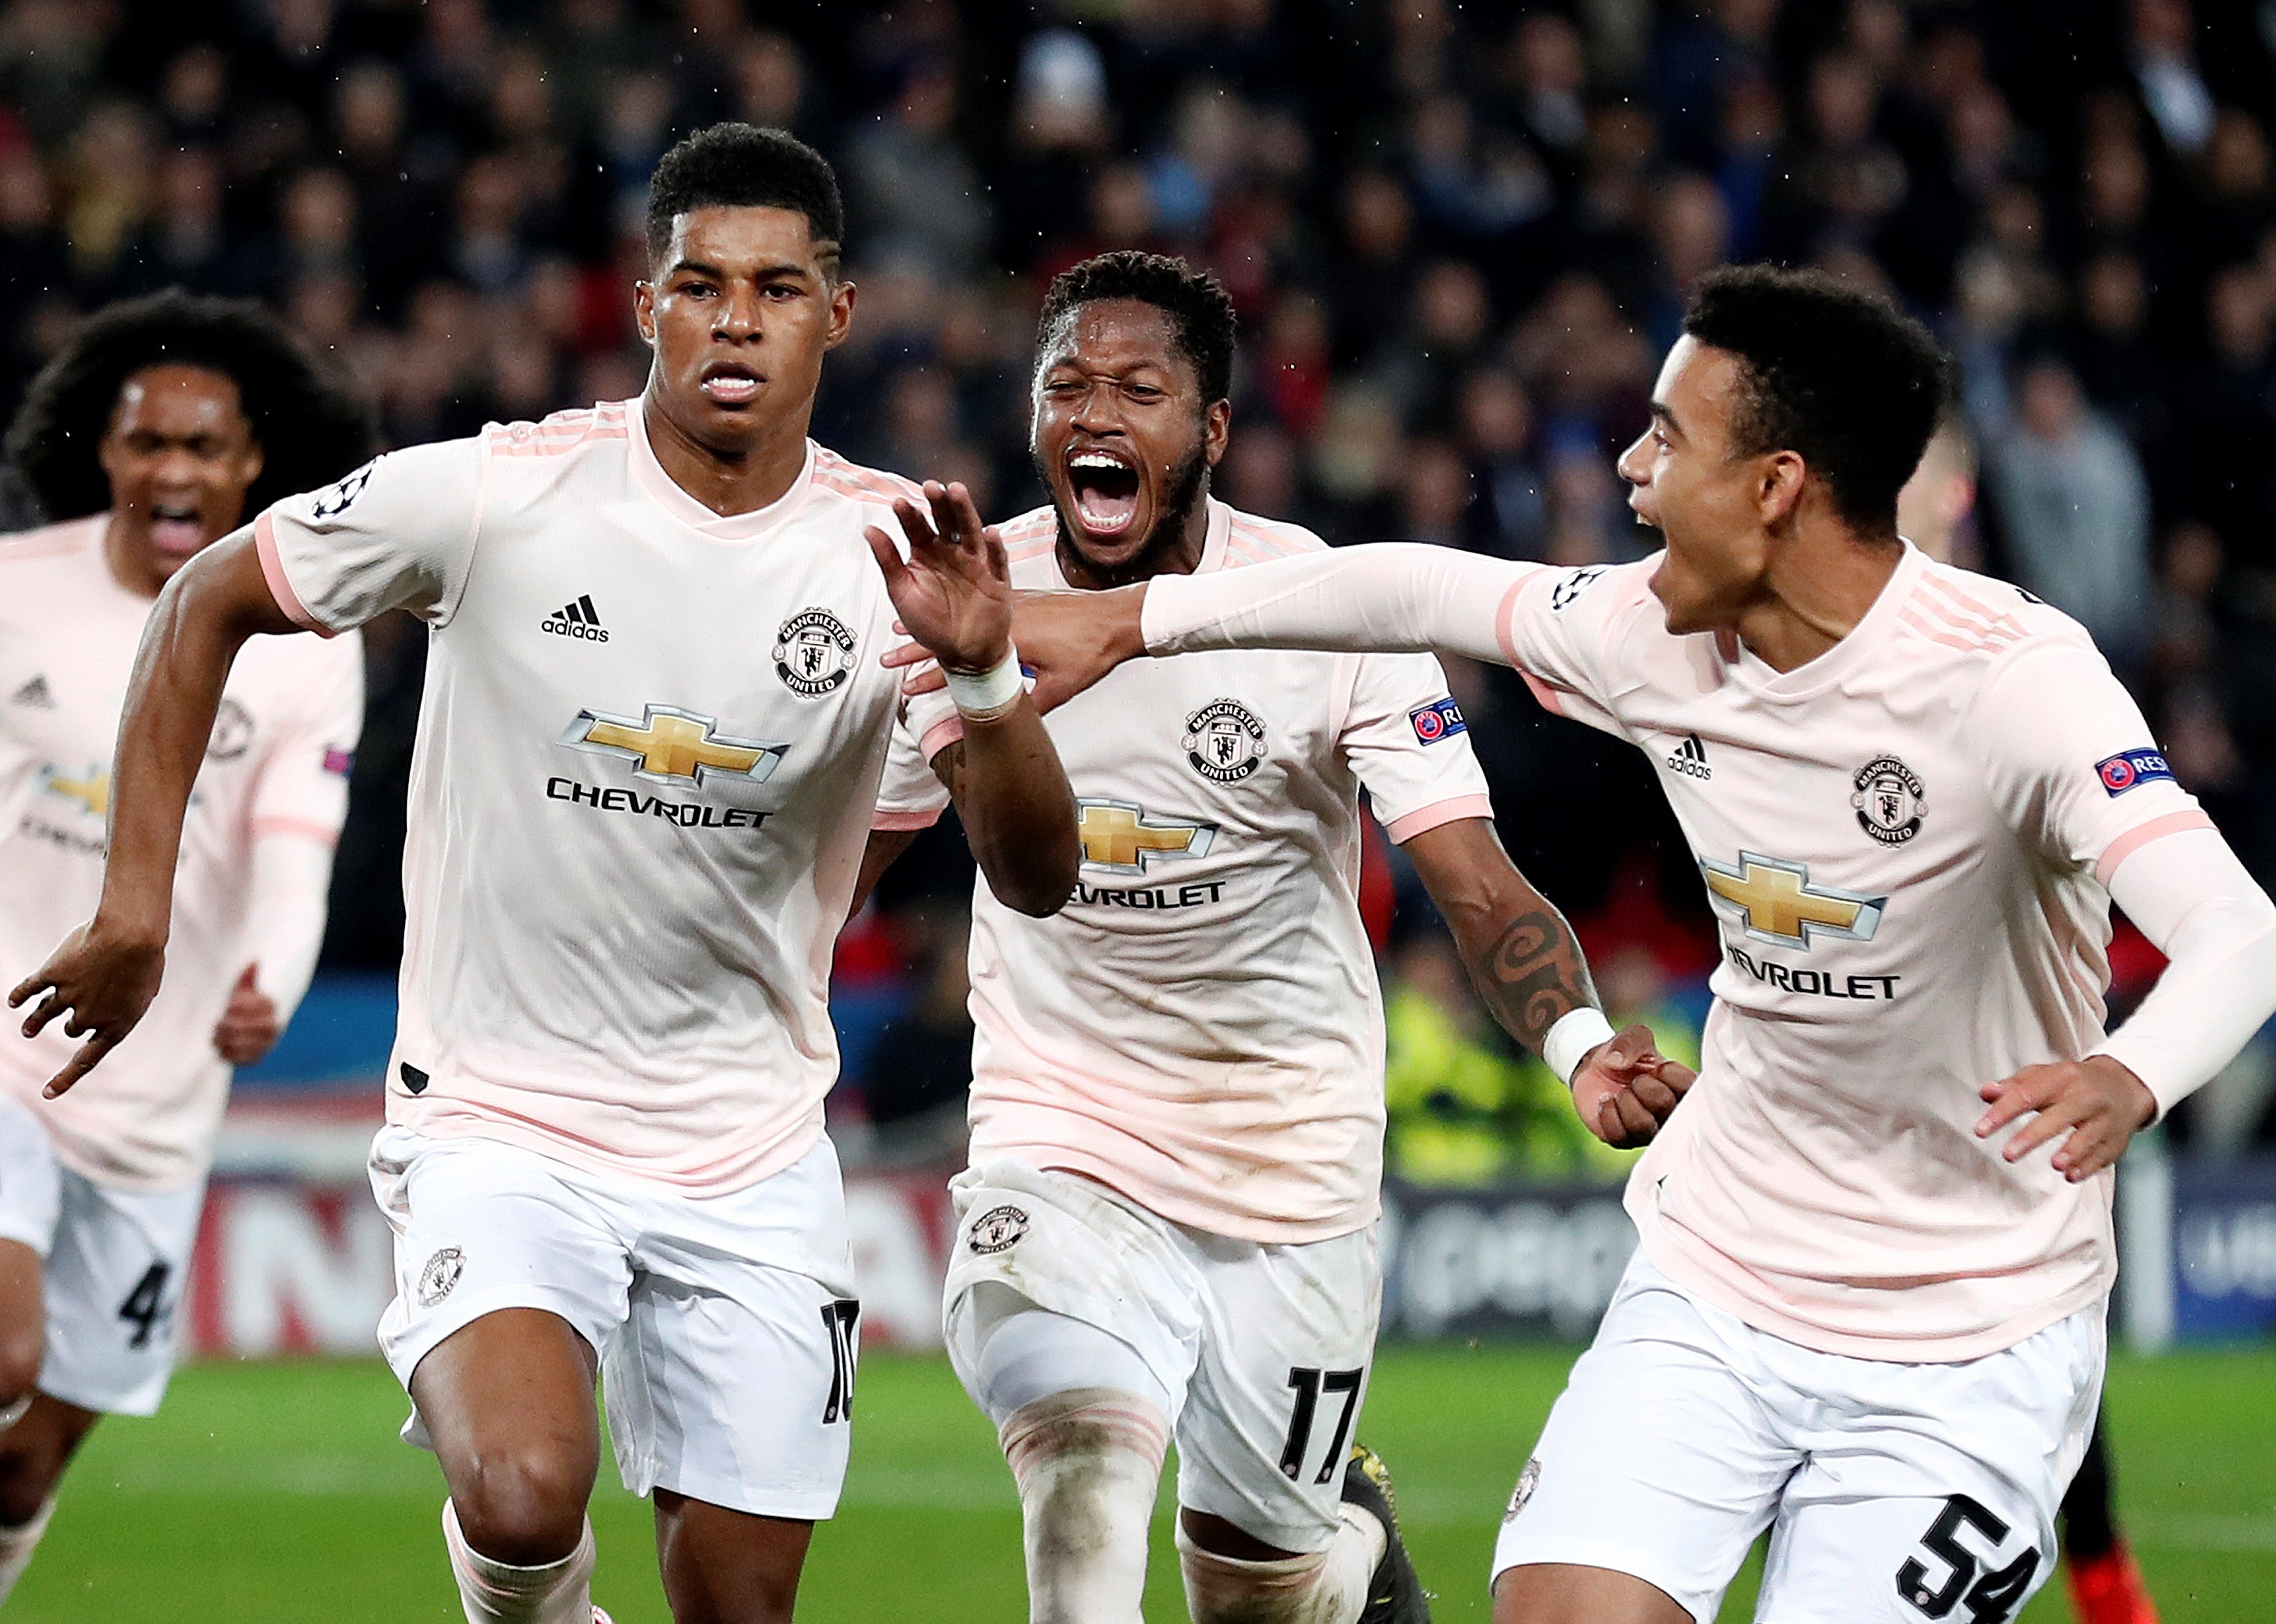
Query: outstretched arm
x: 954, y: 594
x: 1528, y: 969
x: 106, y: 971
x: 1383, y: 597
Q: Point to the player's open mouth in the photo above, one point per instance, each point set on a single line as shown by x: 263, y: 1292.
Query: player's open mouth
x: 1105, y: 490
x: 175, y: 527
x: 730, y: 384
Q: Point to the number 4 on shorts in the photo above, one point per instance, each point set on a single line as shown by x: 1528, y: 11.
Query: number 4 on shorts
x: 1989, y: 1598
x: 145, y: 1304
x: 1309, y: 1385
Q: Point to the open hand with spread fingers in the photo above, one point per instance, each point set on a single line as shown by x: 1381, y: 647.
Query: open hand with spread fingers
x: 106, y: 980
x: 1626, y: 1090
x: 2097, y: 1101
x: 1068, y: 640
x: 953, y: 592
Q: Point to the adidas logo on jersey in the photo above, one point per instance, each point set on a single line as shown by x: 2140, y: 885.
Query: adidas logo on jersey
x: 35, y: 693
x: 1690, y: 758
x: 578, y: 618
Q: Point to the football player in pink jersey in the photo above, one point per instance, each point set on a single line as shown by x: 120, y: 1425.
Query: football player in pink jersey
x: 1868, y: 1313
x: 147, y: 439
x: 648, y: 764
x: 1168, y: 1227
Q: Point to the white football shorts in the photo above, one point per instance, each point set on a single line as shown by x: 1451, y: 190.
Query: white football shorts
x: 1895, y: 1493
x: 111, y: 1267
x: 1263, y: 1352
x: 725, y: 1324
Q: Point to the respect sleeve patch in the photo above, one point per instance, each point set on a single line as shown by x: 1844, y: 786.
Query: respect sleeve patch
x: 1441, y: 718
x: 2123, y: 772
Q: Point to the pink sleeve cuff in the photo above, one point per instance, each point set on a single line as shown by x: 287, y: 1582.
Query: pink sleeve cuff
x: 1505, y: 629
x: 940, y: 735
x: 2135, y: 838
x: 280, y: 585
x: 1401, y: 829
x: 1542, y: 692
x: 886, y: 817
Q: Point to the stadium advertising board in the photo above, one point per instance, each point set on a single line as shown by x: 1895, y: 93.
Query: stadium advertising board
x: 2224, y: 1277
x: 294, y: 1257
x: 1535, y: 1262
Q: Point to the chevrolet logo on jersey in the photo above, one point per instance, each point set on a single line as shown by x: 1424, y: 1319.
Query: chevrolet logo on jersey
x: 92, y: 791
x: 1116, y: 834
x: 672, y: 745
x: 1776, y: 902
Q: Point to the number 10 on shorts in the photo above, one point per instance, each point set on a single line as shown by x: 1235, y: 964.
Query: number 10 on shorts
x: 1309, y: 1383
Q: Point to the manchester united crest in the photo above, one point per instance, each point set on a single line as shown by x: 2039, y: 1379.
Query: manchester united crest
x: 814, y: 653
x: 1225, y: 741
x: 998, y: 1230
x: 1889, y: 800
x: 441, y: 1273
x: 1528, y: 1480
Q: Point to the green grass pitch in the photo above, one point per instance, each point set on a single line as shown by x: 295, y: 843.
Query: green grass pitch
x: 269, y: 1493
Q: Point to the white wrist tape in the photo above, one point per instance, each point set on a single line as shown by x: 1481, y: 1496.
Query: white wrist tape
x: 1576, y: 1032
x: 985, y: 697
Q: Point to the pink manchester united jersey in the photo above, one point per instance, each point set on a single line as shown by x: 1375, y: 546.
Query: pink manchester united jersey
x: 646, y: 763
x: 1201, y: 1027
x: 276, y: 767
x: 1907, y: 842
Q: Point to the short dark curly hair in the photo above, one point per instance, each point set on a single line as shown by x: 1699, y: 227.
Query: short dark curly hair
x: 1840, y: 376
x: 310, y: 425
x: 1200, y: 310
x: 747, y: 166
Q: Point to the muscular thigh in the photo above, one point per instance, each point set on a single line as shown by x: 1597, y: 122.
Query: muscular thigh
x: 1289, y: 1342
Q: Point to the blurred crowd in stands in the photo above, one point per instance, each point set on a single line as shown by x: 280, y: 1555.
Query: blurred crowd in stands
x: 1459, y: 236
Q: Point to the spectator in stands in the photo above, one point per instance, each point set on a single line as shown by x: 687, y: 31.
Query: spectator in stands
x: 2076, y: 508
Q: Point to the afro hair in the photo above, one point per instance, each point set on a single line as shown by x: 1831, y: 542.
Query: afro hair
x: 1199, y: 308
x: 310, y: 427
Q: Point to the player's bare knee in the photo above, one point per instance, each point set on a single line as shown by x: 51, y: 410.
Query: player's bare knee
x: 20, y: 1351
x: 524, y: 1505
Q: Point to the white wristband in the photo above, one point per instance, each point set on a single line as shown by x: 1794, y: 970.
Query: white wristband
x: 1576, y: 1032
x: 987, y: 695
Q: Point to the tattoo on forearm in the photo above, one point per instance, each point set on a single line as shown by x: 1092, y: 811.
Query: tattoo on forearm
x: 1533, y: 974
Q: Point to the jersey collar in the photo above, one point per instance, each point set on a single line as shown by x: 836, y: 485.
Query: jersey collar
x: 1808, y: 681
x: 659, y: 488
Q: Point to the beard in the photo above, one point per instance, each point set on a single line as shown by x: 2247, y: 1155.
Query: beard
x: 1188, y: 482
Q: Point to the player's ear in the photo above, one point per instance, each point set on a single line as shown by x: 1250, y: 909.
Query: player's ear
x: 644, y: 310
x: 1217, y: 430
x: 841, y: 312
x: 1780, y: 492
